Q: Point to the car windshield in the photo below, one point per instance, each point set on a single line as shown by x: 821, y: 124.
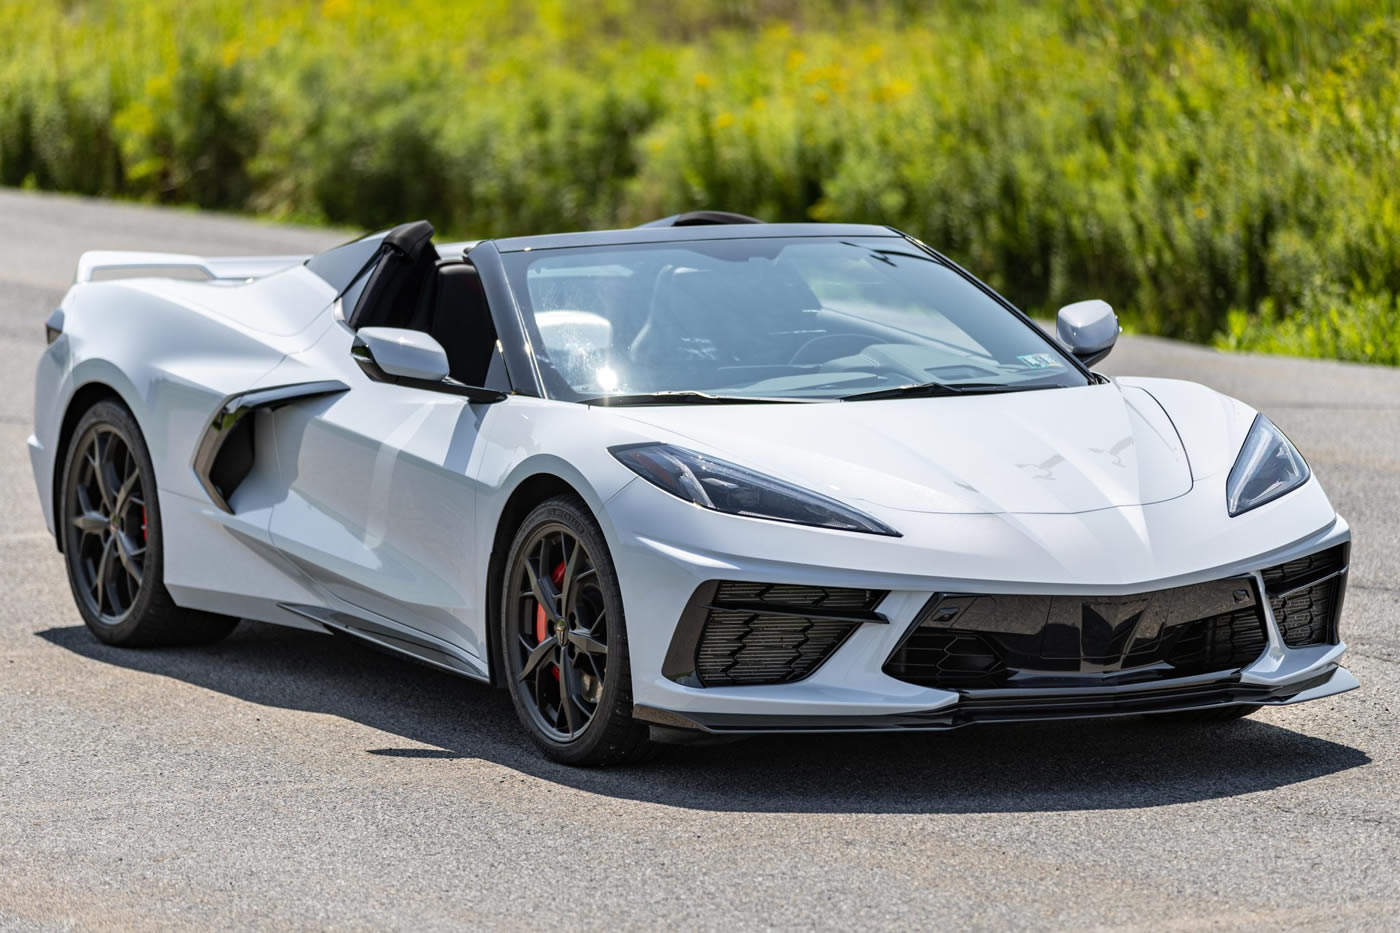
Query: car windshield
x: 788, y: 318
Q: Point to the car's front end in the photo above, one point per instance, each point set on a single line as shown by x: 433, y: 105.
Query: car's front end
x: 742, y: 625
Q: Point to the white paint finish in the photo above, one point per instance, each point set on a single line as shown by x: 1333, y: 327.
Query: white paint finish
x: 384, y: 501
x: 1087, y: 328
x: 1050, y: 451
x: 376, y: 502
x: 410, y: 354
x: 104, y: 265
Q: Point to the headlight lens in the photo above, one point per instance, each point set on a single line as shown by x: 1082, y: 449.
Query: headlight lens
x: 1268, y: 466
x: 726, y: 487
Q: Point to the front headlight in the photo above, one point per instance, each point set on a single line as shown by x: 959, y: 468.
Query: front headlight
x: 726, y: 487
x: 1268, y: 466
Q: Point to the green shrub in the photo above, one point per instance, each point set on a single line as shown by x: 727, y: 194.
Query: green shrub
x: 1217, y: 169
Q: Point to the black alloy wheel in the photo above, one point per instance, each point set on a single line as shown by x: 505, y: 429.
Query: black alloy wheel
x: 564, y: 639
x: 107, y: 507
x: 109, y: 525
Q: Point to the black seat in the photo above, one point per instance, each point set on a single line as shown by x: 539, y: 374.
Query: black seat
x: 453, y: 310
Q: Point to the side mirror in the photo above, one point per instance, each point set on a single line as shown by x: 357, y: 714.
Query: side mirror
x: 403, y: 353
x: 1088, y: 329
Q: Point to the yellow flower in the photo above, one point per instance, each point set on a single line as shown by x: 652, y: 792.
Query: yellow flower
x: 723, y: 120
x: 702, y: 80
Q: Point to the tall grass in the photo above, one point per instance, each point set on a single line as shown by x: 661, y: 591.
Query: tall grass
x: 1217, y: 169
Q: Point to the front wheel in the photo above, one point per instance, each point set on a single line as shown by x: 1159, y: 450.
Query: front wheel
x: 110, y: 526
x: 564, y: 639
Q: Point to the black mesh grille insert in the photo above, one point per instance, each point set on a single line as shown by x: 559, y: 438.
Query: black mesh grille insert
x: 769, y: 633
x: 947, y: 659
x: 1232, y: 639
x: 1306, y: 611
x: 1286, y: 576
x: 985, y: 641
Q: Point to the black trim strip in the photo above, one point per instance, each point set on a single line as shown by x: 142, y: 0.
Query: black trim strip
x: 800, y: 612
x: 1086, y: 704
x: 396, y: 640
x: 1308, y: 582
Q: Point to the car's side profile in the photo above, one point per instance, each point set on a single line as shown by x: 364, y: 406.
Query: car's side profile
x: 705, y: 476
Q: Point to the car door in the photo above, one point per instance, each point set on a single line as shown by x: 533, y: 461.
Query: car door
x: 379, y: 505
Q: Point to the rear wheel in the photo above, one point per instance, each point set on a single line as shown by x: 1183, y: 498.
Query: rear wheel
x: 564, y: 639
x: 110, y: 524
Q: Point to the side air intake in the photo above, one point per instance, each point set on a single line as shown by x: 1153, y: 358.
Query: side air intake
x: 748, y: 634
x: 226, y: 452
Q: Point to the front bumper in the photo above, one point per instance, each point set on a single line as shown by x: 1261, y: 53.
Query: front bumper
x: 1091, y: 554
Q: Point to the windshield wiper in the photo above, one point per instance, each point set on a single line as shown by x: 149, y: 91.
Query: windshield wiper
x: 685, y: 397
x: 937, y: 389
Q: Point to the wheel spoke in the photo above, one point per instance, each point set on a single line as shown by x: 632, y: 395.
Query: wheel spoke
x: 90, y: 522
x: 569, y: 689
x: 95, y: 464
x: 538, y: 655
x: 567, y: 584
x: 128, y: 556
x: 125, y: 492
x: 543, y: 591
x: 585, y: 642
x: 99, y: 579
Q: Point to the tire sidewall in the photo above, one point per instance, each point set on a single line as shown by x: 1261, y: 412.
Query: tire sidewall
x: 616, y: 701
x: 116, y: 416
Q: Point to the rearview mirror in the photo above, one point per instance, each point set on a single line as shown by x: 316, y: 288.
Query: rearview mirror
x: 1088, y: 329
x: 403, y: 353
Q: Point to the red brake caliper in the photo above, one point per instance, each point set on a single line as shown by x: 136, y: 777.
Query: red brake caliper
x: 542, y: 623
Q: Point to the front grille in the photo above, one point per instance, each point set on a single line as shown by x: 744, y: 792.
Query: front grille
x: 1307, y: 611
x: 983, y: 641
x: 1319, y: 563
x: 930, y: 657
x: 1229, y: 640
x: 746, y: 634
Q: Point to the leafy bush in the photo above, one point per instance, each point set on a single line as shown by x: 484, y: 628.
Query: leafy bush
x: 1217, y: 169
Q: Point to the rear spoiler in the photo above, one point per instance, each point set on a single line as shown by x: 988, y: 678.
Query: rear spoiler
x: 97, y: 265
x: 101, y: 264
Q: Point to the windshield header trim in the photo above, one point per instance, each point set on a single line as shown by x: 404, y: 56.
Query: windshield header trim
x: 654, y: 235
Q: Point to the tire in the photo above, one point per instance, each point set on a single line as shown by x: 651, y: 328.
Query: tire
x: 109, y: 520
x: 575, y: 703
x: 1212, y: 714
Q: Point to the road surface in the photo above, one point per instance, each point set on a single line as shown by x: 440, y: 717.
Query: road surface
x: 287, y: 780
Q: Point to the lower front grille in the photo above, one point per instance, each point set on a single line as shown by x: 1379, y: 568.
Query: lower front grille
x: 748, y: 634
x: 984, y: 641
x: 1229, y: 640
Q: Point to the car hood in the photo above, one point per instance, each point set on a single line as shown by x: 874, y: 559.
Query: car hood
x: 1054, y: 451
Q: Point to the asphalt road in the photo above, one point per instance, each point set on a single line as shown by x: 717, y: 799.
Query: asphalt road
x: 285, y: 780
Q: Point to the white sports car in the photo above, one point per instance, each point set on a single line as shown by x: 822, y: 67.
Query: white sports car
x: 702, y: 477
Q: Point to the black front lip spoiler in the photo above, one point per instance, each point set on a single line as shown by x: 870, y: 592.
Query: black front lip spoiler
x: 976, y: 707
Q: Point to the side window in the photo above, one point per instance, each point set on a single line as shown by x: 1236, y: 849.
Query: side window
x: 350, y: 299
x: 342, y: 265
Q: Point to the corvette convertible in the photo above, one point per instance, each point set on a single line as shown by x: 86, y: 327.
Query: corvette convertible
x: 705, y: 477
